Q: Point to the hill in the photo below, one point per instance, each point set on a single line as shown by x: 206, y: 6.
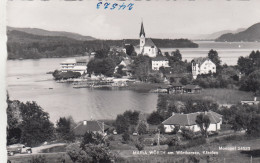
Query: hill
x: 251, y: 34
x: 22, y: 45
x: 42, y: 32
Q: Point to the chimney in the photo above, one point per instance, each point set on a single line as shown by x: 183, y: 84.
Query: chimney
x: 255, y: 98
x: 84, y: 122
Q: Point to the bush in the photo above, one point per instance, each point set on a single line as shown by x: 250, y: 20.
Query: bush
x: 111, y: 138
x: 139, y: 145
x: 126, y: 137
x: 38, y: 159
x: 173, y: 141
x: 187, y: 133
x: 77, y: 154
x: 58, y: 75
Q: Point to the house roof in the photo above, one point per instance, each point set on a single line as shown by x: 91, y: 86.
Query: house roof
x: 190, y: 119
x: 176, y: 85
x: 149, y: 42
x: 91, y: 126
x: 200, y: 60
x: 160, y: 58
x: 191, y: 87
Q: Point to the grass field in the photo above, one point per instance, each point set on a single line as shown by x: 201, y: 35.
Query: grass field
x: 227, y: 96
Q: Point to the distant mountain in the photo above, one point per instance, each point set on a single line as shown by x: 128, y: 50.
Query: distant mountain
x: 216, y: 35
x: 251, y: 34
x: 42, y: 32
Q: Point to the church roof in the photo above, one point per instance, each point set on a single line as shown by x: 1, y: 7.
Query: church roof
x: 142, y: 30
x: 149, y: 42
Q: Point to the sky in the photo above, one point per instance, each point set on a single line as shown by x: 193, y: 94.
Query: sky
x: 162, y: 19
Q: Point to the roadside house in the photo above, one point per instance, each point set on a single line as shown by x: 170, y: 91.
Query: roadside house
x: 91, y: 126
x: 189, y: 121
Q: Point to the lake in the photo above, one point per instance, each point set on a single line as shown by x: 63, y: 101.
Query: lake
x: 27, y: 81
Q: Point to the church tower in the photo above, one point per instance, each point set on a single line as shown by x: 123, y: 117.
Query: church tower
x: 142, y: 37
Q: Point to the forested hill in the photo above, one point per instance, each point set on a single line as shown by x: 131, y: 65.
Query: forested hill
x: 251, y: 34
x: 22, y: 45
x: 42, y: 32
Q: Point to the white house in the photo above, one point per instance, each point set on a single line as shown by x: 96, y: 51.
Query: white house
x: 159, y: 61
x: 147, y: 46
x: 189, y: 121
x: 202, y: 66
x: 75, y: 65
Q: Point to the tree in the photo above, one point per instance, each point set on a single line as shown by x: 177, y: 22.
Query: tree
x: 92, y: 149
x: 130, y: 50
x: 154, y: 118
x: 203, y: 122
x: 251, y: 82
x: 142, y: 128
x: 141, y: 67
x: 126, y: 136
x: 92, y: 138
x: 121, y: 124
x: 131, y: 116
x: 254, y: 126
x: 36, y: 126
x: 213, y: 56
x: 139, y: 144
x: 245, y: 65
x: 64, y: 129
x: 177, y: 55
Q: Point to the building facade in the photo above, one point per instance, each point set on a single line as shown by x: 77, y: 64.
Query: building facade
x: 202, y: 66
x: 147, y: 46
x: 75, y: 65
x: 159, y: 61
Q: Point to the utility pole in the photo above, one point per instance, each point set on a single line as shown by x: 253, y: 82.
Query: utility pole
x: 158, y: 138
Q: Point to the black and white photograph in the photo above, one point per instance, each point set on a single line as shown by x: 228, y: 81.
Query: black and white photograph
x: 125, y: 81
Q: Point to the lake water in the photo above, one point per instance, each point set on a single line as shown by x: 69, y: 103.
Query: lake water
x: 27, y: 81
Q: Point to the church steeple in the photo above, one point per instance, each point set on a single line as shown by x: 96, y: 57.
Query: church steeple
x: 142, y: 30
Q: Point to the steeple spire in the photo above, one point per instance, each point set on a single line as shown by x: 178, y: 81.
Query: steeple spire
x: 142, y: 30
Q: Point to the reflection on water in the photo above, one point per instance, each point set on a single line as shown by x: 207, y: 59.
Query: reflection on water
x: 27, y: 81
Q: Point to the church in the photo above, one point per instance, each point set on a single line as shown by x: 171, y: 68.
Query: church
x: 147, y: 46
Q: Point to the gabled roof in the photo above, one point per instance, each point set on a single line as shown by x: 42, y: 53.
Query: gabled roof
x: 91, y: 126
x: 149, y: 42
x: 191, y: 87
x: 200, y: 60
x: 160, y: 58
x: 190, y: 119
